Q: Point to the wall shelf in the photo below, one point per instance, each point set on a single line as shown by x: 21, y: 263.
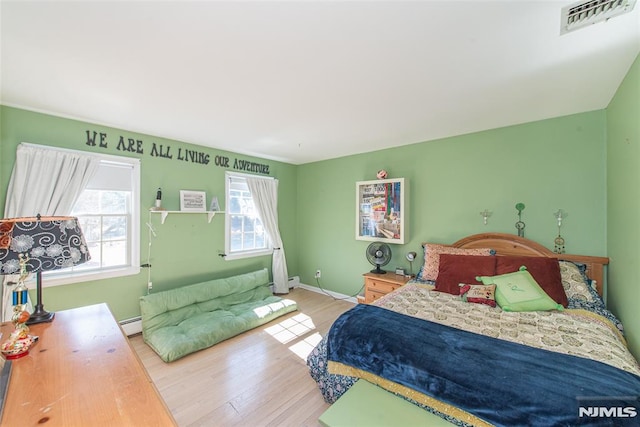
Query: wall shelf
x: 165, y: 214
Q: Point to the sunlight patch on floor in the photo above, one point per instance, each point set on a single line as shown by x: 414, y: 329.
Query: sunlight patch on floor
x: 294, y: 328
x: 303, y: 348
x: 291, y: 328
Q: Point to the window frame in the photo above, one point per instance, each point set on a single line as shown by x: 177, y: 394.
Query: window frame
x: 229, y: 256
x: 71, y: 275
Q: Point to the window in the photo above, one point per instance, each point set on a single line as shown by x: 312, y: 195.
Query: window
x: 245, y: 235
x: 108, y: 212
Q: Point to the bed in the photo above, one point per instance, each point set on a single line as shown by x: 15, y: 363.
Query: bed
x: 475, y: 364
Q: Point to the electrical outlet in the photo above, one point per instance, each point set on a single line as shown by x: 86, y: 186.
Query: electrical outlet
x: 318, y: 274
x: 149, y: 285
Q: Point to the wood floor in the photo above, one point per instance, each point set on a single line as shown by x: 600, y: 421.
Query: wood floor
x: 258, y: 378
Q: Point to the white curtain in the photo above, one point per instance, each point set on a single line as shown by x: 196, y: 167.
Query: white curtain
x: 45, y: 181
x: 265, y: 198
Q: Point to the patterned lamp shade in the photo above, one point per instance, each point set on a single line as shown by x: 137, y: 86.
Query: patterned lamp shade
x: 51, y: 243
x: 47, y: 242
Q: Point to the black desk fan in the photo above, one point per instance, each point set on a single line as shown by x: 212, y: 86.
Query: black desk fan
x: 378, y: 254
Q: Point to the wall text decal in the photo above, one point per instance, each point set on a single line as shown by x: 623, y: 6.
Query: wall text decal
x: 131, y: 145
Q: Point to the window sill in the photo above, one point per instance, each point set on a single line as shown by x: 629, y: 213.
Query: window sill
x: 69, y: 278
x: 253, y: 254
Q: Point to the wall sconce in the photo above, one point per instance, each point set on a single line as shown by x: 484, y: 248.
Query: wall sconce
x: 559, y: 240
x: 485, y: 215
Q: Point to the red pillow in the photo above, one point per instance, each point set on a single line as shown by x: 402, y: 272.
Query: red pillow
x: 456, y: 269
x: 545, y: 271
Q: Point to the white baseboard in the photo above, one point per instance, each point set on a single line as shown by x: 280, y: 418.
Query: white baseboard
x: 331, y: 293
x: 132, y: 326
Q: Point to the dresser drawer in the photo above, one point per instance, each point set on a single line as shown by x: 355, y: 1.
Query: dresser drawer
x: 372, y: 296
x: 378, y: 285
x: 375, y: 285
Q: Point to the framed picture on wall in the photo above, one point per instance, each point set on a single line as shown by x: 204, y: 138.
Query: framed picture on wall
x: 380, y: 208
x: 193, y: 201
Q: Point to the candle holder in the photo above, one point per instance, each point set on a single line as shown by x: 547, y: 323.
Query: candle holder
x: 158, y: 204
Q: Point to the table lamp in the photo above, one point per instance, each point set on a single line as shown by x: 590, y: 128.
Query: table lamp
x: 47, y: 243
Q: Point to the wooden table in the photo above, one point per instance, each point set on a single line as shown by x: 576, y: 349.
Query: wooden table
x: 81, y: 372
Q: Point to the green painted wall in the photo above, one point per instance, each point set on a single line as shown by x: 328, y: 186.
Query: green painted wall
x: 623, y: 204
x: 186, y: 248
x: 547, y: 165
x: 586, y: 164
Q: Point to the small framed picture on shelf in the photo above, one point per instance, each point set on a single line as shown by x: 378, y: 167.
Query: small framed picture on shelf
x: 215, y: 206
x: 193, y: 201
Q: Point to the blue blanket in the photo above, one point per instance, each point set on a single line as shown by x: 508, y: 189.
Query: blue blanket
x: 501, y: 382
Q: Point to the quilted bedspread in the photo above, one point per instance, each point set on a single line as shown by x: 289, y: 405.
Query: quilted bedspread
x: 575, y: 332
x: 451, y: 366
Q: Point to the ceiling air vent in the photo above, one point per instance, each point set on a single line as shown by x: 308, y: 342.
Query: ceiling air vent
x: 585, y: 13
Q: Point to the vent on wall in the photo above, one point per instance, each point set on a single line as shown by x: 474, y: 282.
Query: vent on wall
x: 585, y: 13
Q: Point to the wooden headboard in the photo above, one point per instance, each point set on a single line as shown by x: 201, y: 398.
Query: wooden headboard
x: 510, y: 244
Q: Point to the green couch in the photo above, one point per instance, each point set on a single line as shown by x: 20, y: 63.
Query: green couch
x: 187, y: 319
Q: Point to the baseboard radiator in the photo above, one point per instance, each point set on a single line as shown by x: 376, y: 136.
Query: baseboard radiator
x: 131, y: 326
x: 294, y: 282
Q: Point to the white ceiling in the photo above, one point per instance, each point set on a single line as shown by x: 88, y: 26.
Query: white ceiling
x: 301, y: 81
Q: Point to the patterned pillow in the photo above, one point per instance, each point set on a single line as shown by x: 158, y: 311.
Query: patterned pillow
x: 432, y: 253
x: 575, y: 283
x: 581, y: 294
x: 479, y: 294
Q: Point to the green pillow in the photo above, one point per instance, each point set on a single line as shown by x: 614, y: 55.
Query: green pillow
x: 520, y: 292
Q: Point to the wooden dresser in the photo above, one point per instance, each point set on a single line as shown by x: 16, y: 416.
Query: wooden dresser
x: 81, y: 372
x: 378, y: 285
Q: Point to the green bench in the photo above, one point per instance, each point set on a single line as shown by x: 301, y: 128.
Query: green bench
x: 367, y: 405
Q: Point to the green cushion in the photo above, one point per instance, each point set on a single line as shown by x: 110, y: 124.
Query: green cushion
x: 187, y: 319
x: 520, y: 292
x: 207, y: 328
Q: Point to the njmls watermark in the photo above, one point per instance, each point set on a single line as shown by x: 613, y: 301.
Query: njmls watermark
x: 608, y: 407
x: 607, y: 412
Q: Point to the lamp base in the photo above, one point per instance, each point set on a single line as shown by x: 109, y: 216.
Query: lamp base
x: 40, y: 317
